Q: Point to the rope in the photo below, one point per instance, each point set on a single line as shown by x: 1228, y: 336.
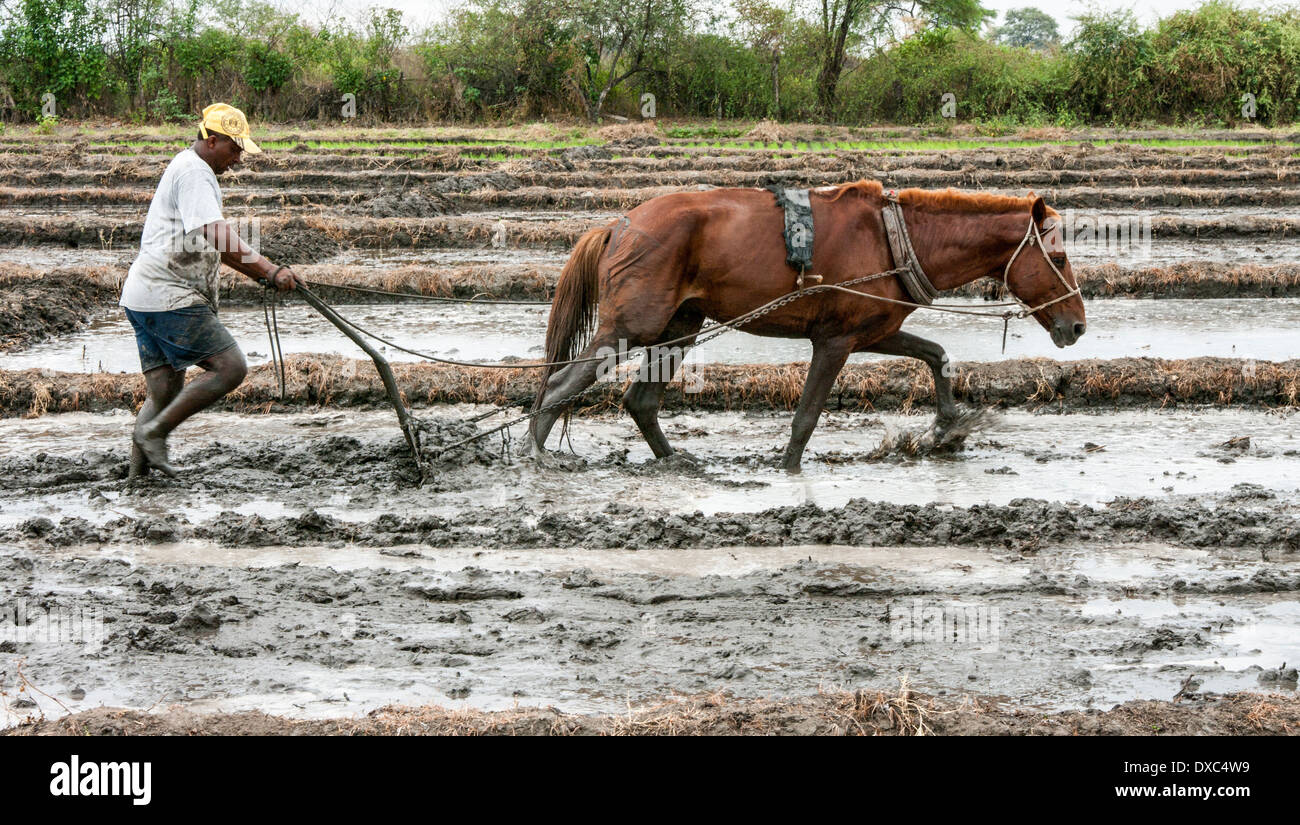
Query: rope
x: 493, y: 302
x: 716, y: 329
x: 708, y: 333
x: 432, y: 298
x: 270, y: 299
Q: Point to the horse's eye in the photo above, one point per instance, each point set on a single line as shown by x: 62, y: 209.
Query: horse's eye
x: 1058, y: 261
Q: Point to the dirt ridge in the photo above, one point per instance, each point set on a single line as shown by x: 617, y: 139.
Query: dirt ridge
x: 1023, y: 524
x: 1038, y: 384
x: 859, y: 713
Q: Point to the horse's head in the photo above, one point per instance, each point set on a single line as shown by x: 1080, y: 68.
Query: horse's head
x: 1039, y: 276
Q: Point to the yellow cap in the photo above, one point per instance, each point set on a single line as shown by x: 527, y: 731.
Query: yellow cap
x: 229, y: 121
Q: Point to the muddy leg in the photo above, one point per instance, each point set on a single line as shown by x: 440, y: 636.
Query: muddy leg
x: 223, y: 372
x: 569, y: 380
x: 162, y: 385
x: 827, y: 360
x: 644, y: 397
x: 912, y: 346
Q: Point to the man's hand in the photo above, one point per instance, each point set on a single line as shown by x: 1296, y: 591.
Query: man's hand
x: 287, y: 280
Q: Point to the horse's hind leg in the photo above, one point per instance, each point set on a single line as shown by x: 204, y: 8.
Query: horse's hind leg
x: 569, y: 380
x: 914, y: 346
x: 644, y: 397
x: 827, y: 360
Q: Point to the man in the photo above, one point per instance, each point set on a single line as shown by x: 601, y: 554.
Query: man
x: 170, y: 294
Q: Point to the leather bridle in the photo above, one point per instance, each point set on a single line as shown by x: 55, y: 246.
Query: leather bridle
x: 1054, y: 242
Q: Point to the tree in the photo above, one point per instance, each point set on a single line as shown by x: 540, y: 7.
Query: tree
x: 54, y: 46
x: 766, y: 28
x: 843, y: 20
x: 635, y: 36
x: 132, y: 26
x: 1028, y: 28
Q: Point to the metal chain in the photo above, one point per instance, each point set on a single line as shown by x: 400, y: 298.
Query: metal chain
x: 719, y: 328
x: 561, y: 403
x: 722, y: 326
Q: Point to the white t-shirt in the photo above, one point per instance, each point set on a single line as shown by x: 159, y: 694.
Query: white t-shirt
x: 177, y: 267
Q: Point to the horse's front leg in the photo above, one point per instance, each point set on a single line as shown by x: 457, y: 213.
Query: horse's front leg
x: 827, y: 360
x: 914, y: 346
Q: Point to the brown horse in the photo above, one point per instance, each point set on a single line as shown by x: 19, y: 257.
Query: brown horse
x: 674, y: 261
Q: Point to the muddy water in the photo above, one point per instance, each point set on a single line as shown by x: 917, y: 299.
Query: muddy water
x: 323, y: 632
x: 53, y: 256
x: 383, y: 259
x: 1264, y: 329
x: 1159, y: 252
x: 1135, y: 253
x: 1082, y: 458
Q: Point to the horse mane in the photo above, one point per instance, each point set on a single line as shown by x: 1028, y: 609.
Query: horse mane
x: 941, y: 200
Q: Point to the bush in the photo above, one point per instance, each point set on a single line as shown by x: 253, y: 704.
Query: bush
x: 267, y: 69
x: 167, y: 107
x: 988, y: 81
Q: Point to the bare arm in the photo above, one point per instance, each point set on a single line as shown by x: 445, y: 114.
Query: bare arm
x: 240, y: 257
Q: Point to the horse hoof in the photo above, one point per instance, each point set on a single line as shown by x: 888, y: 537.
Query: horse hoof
x: 542, y: 457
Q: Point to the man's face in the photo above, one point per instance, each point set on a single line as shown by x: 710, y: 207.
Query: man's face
x: 225, y: 152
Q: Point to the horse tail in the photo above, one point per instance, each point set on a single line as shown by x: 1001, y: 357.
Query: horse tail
x: 573, y: 310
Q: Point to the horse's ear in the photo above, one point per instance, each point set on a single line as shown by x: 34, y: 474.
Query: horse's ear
x: 1039, y: 211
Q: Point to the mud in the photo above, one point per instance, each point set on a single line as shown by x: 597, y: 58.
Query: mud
x: 318, y: 632
x: 302, y: 574
x: 66, y: 466
x: 519, y: 196
x: 1024, y: 525
x: 622, y: 175
x: 408, y: 204
x: 326, y: 479
x: 33, y: 309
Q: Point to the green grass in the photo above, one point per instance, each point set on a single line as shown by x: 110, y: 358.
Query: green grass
x: 935, y: 144
x: 707, y: 137
x: 709, y: 131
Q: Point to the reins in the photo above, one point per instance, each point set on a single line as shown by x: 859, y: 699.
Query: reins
x: 270, y: 298
x: 718, y: 328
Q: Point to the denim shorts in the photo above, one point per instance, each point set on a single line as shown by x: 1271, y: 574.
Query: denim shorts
x: 179, y: 338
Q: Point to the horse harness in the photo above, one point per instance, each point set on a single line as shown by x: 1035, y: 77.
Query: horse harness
x: 799, y: 253
x: 916, y: 284
x: 798, y: 230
